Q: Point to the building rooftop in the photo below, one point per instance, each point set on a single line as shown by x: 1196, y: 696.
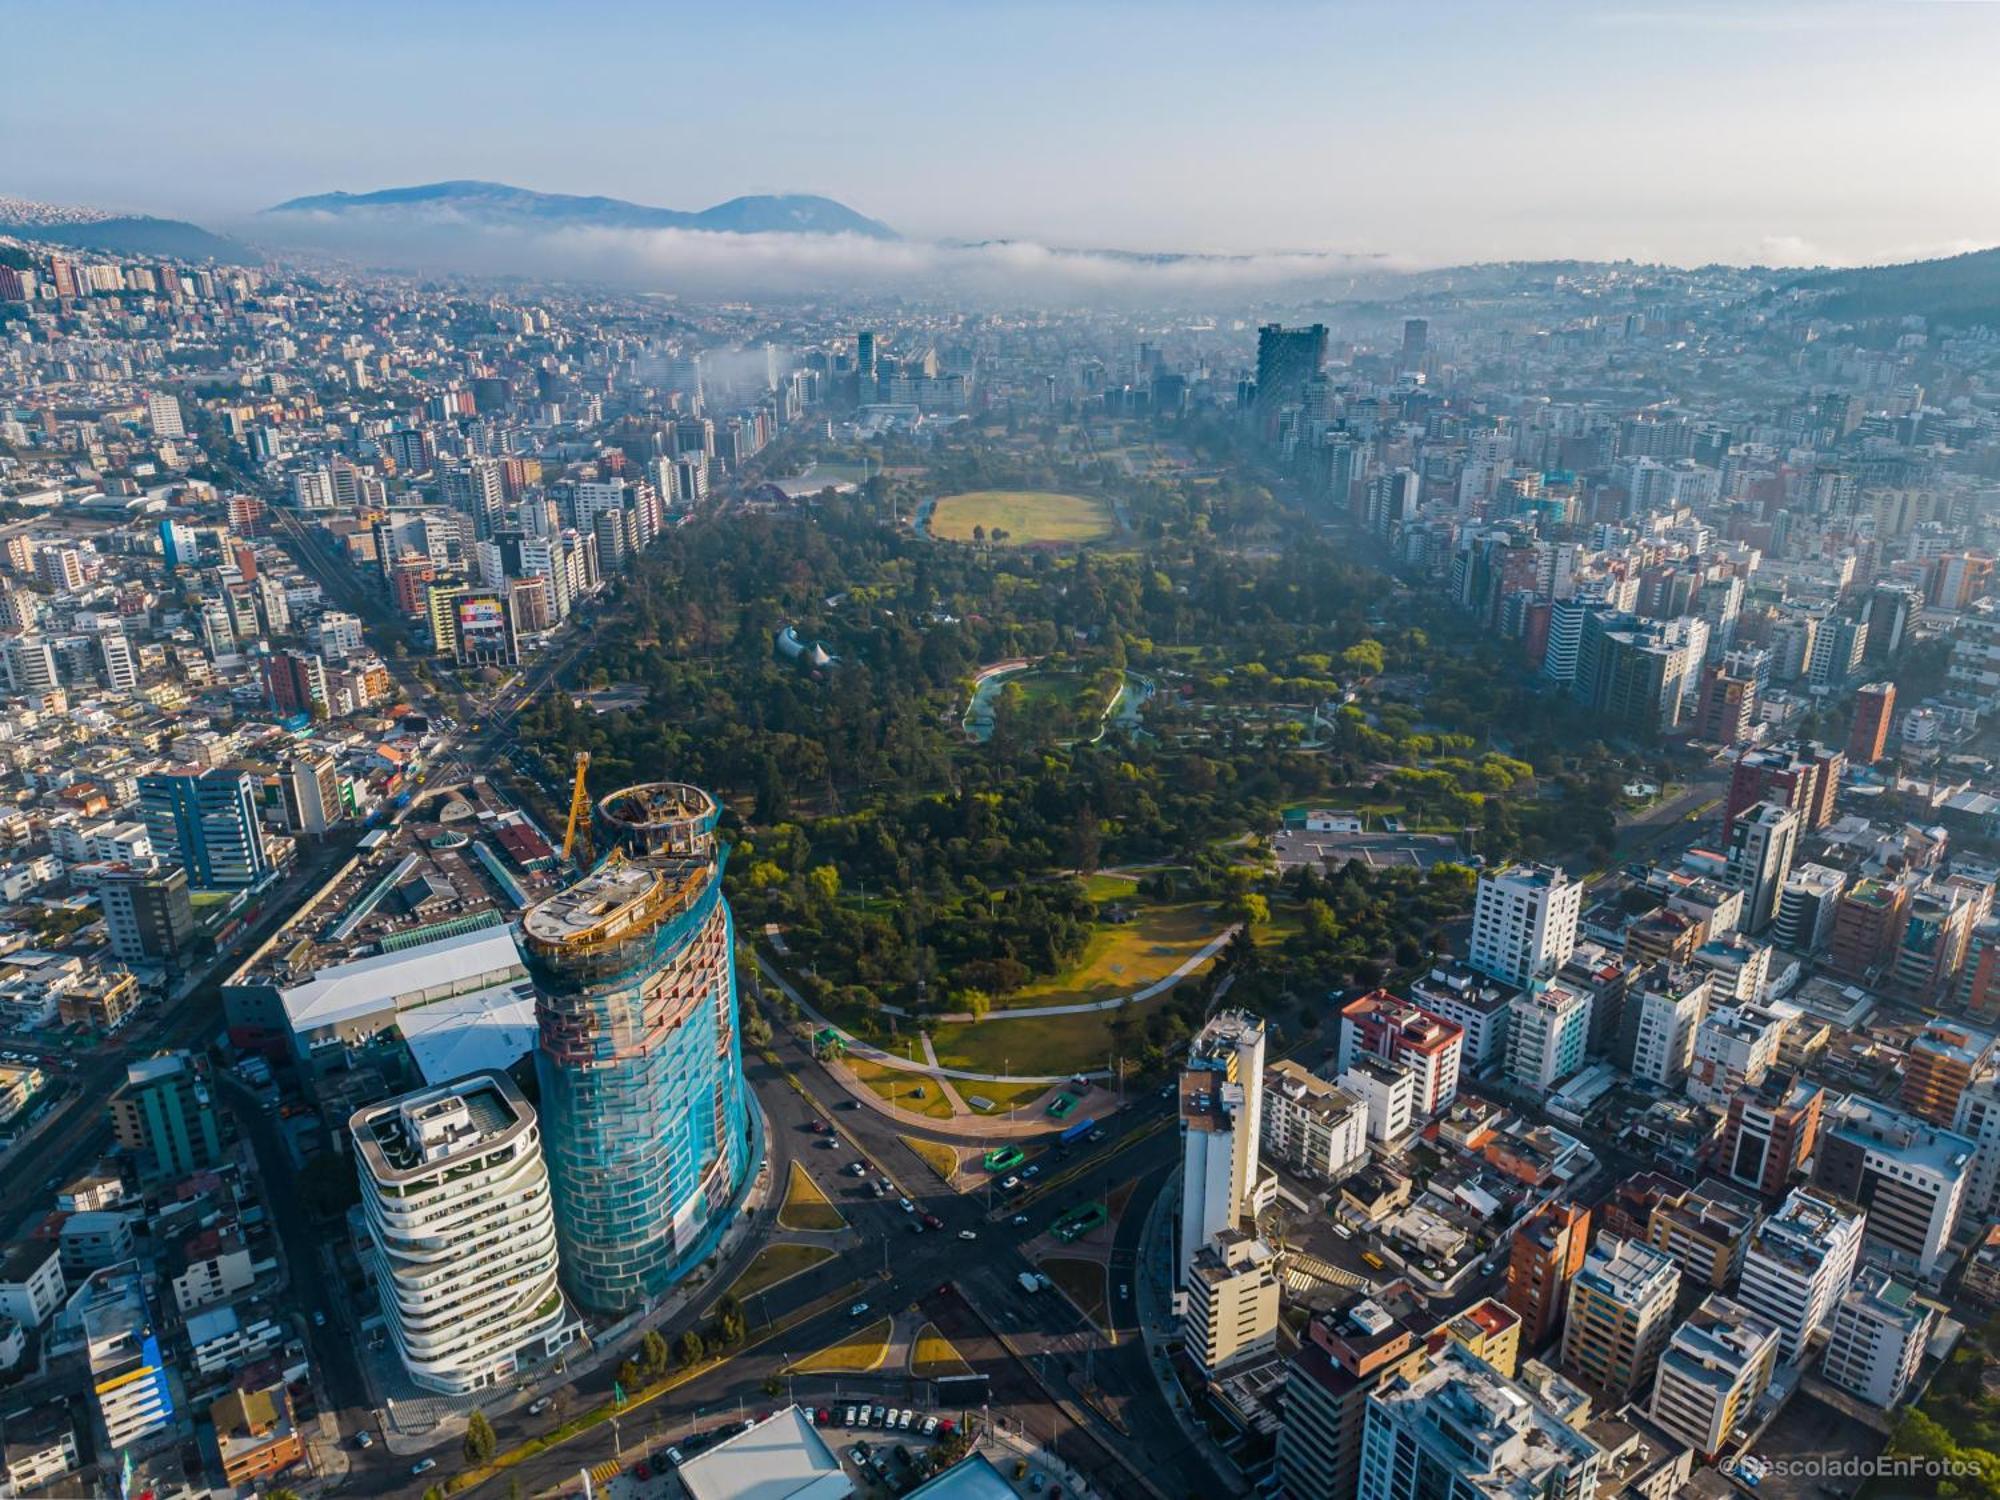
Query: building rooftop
x: 1627, y: 1272
x: 1905, y: 1139
x: 1308, y: 1091
x: 1208, y: 1103
x: 414, y: 1135
x: 1801, y: 1233
x: 1500, y: 1437
x: 1719, y: 1340
x: 782, y: 1457
x: 366, y: 986
x: 972, y: 1478
x: 487, y: 1030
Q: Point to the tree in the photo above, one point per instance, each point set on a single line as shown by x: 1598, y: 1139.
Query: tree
x: 824, y: 883
x: 693, y: 1349
x: 327, y: 1185
x: 628, y: 1373
x: 975, y: 1003
x: 654, y: 1356
x: 481, y: 1442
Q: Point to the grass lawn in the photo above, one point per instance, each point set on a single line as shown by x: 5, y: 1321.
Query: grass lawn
x: 1001, y: 1095
x: 899, y: 1086
x: 940, y: 1158
x: 936, y: 1356
x: 856, y: 1354
x: 1051, y: 1046
x: 1104, y: 889
x: 1121, y: 957
x: 1027, y: 516
x: 776, y: 1263
x: 1082, y: 1281
x: 805, y: 1206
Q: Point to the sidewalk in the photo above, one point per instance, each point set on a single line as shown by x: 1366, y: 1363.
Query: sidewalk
x: 1154, y: 1276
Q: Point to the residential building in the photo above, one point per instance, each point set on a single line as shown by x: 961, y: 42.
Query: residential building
x: 1909, y: 1175
x: 1595, y: 971
x: 1524, y: 922
x: 1621, y: 1306
x: 1868, y: 922
x: 649, y: 1148
x: 130, y: 1391
x: 1803, y: 775
x: 1930, y: 951
x: 1389, y: 1093
x: 1770, y: 1133
x: 1395, y: 1030
x: 1714, y: 1368
x: 31, y: 1281
x: 1662, y: 1012
x: 1221, y: 1114
x: 462, y: 1233
x: 256, y: 1433
x: 1874, y: 712
x: 1876, y: 1342
x: 166, y: 1116
x: 1734, y: 1047
x: 1548, y: 1035
x: 1476, y: 1003
x: 1232, y: 1303
x: 1761, y: 844
x: 1547, y: 1251
x: 1462, y: 1431
x: 1706, y: 1229
x: 39, y: 1443
x: 1312, y: 1126
x: 1940, y: 1064
x: 1799, y: 1264
x: 1343, y: 1357
x: 148, y: 914
x: 1978, y: 1120
x: 1807, y: 903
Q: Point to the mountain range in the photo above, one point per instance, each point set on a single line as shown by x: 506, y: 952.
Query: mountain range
x: 1958, y: 289
x: 498, y: 204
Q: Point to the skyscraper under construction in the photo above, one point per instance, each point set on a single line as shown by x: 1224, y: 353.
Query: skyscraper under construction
x: 644, y: 1109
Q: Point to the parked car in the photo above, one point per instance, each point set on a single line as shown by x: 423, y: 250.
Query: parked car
x: 539, y: 1405
x: 967, y: 1234
x: 857, y: 1310
x: 364, y: 1439
x: 423, y: 1466
x: 930, y: 1426
x: 932, y: 1221
x: 847, y: 1416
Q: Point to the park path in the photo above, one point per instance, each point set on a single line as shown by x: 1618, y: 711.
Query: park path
x: 944, y: 1084
x: 1159, y: 986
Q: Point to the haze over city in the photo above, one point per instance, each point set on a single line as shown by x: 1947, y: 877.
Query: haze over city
x: 1782, y: 133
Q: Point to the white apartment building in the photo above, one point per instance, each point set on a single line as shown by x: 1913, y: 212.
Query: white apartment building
x: 1221, y: 1115
x: 1978, y: 1120
x: 1477, y: 1003
x: 1389, y: 1093
x: 1463, y: 1431
x: 1547, y: 1033
x: 1524, y: 922
x: 1232, y: 1303
x: 1734, y: 1047
x: 31, y: 1281
x: 1665, y: 1009
x: 1799, y: 1264
x: 1877, y: 1339
x: 456, y: 1198
x: 1711, y: 1373
x: 1311, y: 1125
x: 1912, y: 1175
x: 1761, y: 845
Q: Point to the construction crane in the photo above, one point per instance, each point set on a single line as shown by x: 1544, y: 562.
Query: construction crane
x: 576, y: 837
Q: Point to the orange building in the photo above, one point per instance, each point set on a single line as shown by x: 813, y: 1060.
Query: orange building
x: 1548, y: 1251
x: 1874, y: 709
x: 256, y: 1434
x: 1943, y: 1061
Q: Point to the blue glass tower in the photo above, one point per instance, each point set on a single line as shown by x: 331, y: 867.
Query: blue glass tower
x: 644, y: 1108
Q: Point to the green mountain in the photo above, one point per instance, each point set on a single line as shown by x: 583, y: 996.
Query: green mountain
x: 138, y: 235
x: 1960, y: 289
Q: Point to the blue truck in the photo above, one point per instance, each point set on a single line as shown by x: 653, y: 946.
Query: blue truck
x: 1076, y: 1132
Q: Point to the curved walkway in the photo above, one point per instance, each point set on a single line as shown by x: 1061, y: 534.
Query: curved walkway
x: 1159, y: 986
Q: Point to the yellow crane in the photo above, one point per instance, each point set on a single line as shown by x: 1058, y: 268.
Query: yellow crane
x: 577, y: 835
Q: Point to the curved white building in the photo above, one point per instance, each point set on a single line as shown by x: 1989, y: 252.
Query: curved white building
x: 464, y: 1237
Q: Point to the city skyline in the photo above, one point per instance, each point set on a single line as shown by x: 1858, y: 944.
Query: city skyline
x: 1681, y: 133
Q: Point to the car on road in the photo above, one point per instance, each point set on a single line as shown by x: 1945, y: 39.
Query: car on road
x: 364, y: 1439
x: 423, y: 1466
x: 932, y: 1221
x: 818, y: 1127
x: 1018, y: 1219
x: 968, y: 1234
x: 856, y: 1169
x: 857, y: 1310
x: 1124, y: 1290
x: 916, y: 1226
x: 849, y: 1104
x: 1096, y: 1135
x: 828, y: 1143
x: 1033, y: 1169
x: 906, y: 1205
x: 1009, y: 1183
x: 539, y: 1405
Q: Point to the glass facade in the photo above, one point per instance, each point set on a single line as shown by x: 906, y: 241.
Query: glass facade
x: 643, y: 1101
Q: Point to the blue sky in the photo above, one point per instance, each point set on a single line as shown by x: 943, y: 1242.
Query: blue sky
x: 1430, y: 132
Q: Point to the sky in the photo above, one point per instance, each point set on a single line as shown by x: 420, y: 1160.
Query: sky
x: 1431, y: 133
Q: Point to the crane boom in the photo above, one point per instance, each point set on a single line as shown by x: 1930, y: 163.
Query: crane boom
x: 579, y: 812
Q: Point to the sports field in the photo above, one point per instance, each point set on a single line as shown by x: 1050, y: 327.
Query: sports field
x: 1027, y: 517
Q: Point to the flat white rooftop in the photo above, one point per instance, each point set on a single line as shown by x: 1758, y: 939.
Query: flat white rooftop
x: 413, y: 977
x: 781, y: 1458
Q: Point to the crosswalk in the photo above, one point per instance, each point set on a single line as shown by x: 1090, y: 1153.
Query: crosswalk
x: 605, y: 1472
